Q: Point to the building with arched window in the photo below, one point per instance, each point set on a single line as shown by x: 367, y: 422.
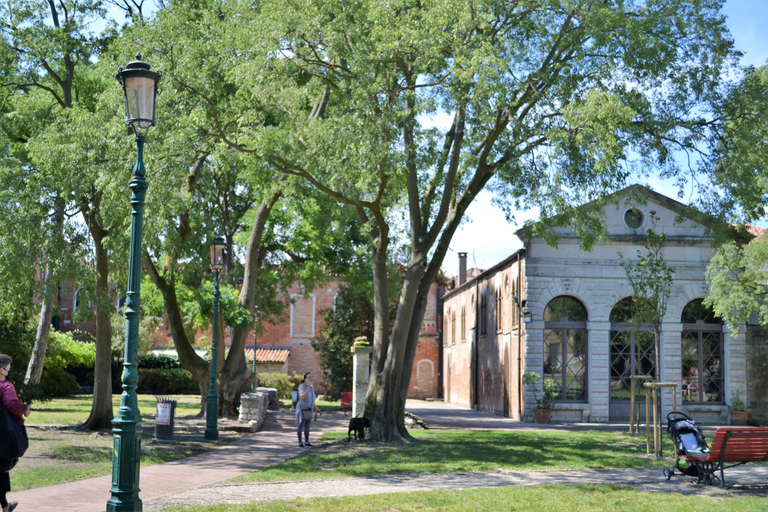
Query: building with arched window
x: 569, y: 315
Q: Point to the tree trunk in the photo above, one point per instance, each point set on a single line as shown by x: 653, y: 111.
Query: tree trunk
x: 101, y: 408
x: 390, y: 381
x: 37, y: 360
x: 236, y: 377
x: 188, y: 358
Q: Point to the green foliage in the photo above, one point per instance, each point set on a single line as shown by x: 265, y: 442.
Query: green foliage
x: 739, y: 169
x: 65, y: 351
x: 550, y: 390
x: 163, y: 381
x: 737, y: 404
x: 159, y: 361
x: 150, y: 333
x: 736, y: 276
x: 17, y: 335
x: 283, y: 382
x: 57, y: 383
x: 352, y: 317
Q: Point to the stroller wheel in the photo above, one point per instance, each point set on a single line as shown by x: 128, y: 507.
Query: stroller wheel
x: 667, y: 474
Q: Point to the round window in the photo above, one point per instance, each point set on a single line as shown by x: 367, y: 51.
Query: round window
x: 633, y: 218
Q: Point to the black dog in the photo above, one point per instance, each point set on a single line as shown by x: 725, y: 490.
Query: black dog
x: 358, y: 426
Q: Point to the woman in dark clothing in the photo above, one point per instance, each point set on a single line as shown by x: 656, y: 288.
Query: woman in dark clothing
x: 10, y: 401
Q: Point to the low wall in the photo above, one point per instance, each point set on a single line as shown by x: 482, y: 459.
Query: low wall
x: 253, y: 409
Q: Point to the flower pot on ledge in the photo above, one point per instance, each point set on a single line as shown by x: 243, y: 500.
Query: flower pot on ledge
x: 542, y: 415
x: 739, y: 418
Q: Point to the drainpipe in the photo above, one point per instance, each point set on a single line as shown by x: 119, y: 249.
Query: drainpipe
x: 521, y: 326
x: 473, y: 398
x: 440, y: 347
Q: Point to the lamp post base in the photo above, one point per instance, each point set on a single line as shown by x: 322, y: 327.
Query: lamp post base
x: 125, y: 474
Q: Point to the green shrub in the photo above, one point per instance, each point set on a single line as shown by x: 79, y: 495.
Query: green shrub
x: 57, y: 383
x: 161, y: 361
x: 31, y: 393
x: 173, y: 381
x: 283, y: 382
x: 65, y: 351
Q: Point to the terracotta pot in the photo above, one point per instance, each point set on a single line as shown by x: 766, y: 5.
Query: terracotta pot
x: 541, y: 415
x: 739, y: 418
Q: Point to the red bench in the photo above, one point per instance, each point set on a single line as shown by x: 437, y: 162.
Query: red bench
x: 730, y: 447
x: 346, y: 401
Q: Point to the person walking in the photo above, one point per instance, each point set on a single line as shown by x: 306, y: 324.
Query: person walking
x: 304, y: 409
x: 10, y: 400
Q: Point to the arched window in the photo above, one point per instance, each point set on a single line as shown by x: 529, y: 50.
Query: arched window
x: 565, y: 347
x: 515, y: 307
x: 463, y: 324
x: 453, y: 325
x: 498, y: 309
x: 702, y: 354
x: 632, y: 349
x: 484, y: 312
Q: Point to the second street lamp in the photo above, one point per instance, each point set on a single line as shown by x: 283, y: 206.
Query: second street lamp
x: 140, y: 90
x: 212, y: 411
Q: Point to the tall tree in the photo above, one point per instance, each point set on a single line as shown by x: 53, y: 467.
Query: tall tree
x: 737, y: 273
x: 51, y: 98
x: 548, y: 101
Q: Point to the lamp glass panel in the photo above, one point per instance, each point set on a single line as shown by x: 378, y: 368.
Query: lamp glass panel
x: 217, y: 256
x: 140, y: 98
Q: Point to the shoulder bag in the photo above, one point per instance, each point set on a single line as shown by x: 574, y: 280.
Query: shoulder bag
x: 306, y: 413
x: 13, y: 437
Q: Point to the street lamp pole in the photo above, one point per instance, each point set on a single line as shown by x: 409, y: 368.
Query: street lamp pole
x: 212, y: 411
x: 140, y: 90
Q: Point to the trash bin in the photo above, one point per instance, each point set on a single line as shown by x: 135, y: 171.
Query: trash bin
x: 166, y: 411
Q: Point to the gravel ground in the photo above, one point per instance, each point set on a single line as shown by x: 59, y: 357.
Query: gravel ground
x: 752, y: 482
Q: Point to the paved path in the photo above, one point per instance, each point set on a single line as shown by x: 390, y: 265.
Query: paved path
x: 274, y: 443
x: 189, y: 481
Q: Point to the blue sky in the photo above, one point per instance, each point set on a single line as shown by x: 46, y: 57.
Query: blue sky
x: 488, y: 238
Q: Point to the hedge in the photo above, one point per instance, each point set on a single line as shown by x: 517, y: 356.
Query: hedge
x: 173, y: 381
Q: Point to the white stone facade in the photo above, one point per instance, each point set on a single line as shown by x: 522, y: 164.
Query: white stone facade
x: 597, y: 280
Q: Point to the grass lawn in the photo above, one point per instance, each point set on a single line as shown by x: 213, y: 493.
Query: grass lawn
x: 582, y: 498
x: 57, y: 456
x: 75, y: 409
x: 445, y: 451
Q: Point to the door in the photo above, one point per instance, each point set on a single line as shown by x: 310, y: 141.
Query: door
x: 632, y: 353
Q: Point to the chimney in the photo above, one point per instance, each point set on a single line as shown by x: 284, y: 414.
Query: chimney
x: 462, y: 268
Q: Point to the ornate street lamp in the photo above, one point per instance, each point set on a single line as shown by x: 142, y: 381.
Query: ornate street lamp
x: 140, y: 89
x: 212, y: 412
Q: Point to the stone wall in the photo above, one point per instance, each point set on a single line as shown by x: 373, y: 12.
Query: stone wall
x: 757, y: 375
x: 253, y: 409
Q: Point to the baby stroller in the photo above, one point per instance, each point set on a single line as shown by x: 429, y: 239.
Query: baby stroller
x: 687, y: 438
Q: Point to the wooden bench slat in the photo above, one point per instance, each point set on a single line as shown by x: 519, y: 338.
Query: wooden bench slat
x: 743, y: 445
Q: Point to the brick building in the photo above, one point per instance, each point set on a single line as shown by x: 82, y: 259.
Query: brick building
x: 285, y: 343
x: 567, y: 314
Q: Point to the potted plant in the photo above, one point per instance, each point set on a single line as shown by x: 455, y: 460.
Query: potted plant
x: 738, y: 409
x: 549, y: 393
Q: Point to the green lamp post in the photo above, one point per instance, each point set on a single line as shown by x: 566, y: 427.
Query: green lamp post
x: 212, y: 411
x: 140, y: 90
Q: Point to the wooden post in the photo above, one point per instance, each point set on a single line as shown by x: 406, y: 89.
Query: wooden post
x: 674, y: 396
x: 632, y: 406
x: 634, y: 413
x: 647, y: 417
x: 655, y: 423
